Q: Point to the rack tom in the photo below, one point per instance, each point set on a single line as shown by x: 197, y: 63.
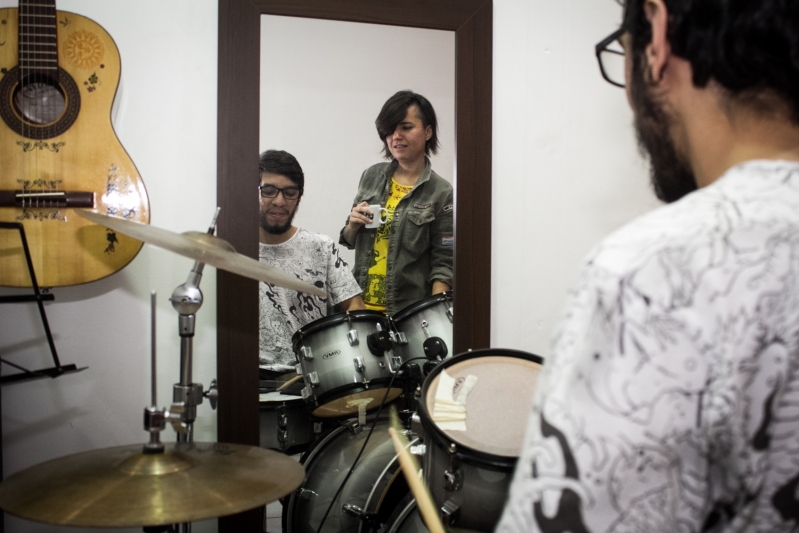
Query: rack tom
x: 346, y: 361
x: 424, y: 328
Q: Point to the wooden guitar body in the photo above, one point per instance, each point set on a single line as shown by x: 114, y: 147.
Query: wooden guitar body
x: 54, y: 160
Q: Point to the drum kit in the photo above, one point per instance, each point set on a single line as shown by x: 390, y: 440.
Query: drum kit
x: 463, y: 415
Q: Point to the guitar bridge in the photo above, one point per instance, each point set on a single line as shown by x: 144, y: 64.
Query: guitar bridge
x: 30, y: 198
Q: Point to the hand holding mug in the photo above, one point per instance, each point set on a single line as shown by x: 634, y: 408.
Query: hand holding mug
x: 379, y: 216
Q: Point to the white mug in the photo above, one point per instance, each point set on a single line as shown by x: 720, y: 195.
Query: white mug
x: 379, y: 216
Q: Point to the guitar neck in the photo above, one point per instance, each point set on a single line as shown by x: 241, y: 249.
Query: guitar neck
x: 38, y: 45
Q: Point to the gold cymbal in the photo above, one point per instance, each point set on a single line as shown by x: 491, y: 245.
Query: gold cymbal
x: 122, y: 487
x: 204, y: 248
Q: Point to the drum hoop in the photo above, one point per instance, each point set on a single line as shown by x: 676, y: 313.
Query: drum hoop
x: 473, y: 455
x: 361, y: 315
x: 394, y: 461
x: 424, y: 303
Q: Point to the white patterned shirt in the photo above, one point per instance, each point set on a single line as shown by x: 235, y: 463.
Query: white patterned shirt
x: 670, y: 402
x: 315, y: 259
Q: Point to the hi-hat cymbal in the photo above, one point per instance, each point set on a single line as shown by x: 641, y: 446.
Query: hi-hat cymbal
x: 204, y: 248
x: 122, y: 487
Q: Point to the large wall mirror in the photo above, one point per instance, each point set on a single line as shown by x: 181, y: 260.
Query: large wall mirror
x: 237, y: 171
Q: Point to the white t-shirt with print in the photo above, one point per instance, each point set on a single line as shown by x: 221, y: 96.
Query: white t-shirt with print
x: 670, y: 401
x: 315, y: 259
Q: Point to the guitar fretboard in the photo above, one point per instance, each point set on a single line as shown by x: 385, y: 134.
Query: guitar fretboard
x: 38, y: 48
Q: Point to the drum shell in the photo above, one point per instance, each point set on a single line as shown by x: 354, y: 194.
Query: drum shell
x: 333, y: 359
x: 375, y: 486
x: 285, y: 424
x: 484, y: 477
x: 436, y: 310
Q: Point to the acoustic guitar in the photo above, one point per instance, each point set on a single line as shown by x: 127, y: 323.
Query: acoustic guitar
x: 59, y: 73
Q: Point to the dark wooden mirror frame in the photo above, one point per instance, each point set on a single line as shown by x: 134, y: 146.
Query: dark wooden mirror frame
x: 237, y: 170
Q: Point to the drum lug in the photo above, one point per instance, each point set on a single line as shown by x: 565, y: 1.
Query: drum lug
x: 453, y: 480
x: 306, y: 392
x: 359, y: 366
x: 354, y: 510
x: 418, y: 449
x: 313, y: 378
x: 453, y: 476
x: 416, y: 425
x: 282, y: 437
x: 298, y: 369
x: 352, y: 337
x: 450, y: 314
x: 306, y: 353
x: 353, y: 426
x: 450, y: 512
x: 398, y: 337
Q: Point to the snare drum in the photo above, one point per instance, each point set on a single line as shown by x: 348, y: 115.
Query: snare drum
x: 346, y: 361
x: 285, y: 424
x: 469, y: 472
x: 424, y: 328
x: 370, y: 494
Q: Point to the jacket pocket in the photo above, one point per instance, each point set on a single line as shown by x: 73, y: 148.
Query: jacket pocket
x: 416, y: 238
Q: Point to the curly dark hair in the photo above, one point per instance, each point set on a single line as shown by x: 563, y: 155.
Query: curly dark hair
x: 394, y: 111
x: 749, y: 47
x: 283, y: 163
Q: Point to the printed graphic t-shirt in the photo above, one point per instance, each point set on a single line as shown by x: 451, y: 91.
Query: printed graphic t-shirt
x: 375, y: 295
x: 314, y: 259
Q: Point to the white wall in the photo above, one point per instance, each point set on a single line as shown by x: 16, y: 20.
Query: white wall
x: 323, y: 84
x: 167, y: 122
x: 566, y: 170
x: 566, y: 173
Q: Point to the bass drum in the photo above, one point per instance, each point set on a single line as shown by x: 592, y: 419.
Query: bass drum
x: 469, y: 470
x: 369, y: 496
x: 405, y: 518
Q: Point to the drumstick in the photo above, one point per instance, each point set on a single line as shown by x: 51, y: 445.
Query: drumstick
x: 289, y: 382
x: 423, y: 499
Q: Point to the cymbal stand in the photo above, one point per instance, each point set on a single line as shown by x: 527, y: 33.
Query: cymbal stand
x: 187, y: 300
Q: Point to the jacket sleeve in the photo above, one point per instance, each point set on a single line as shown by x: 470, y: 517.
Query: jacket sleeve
x: 442, y: 243
x: 341, y: 240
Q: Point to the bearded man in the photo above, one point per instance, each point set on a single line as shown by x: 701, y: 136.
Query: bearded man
x: 312, y: 257
x: 670, y: 401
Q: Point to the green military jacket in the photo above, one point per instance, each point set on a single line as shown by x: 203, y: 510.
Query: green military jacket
x: 420, y: 245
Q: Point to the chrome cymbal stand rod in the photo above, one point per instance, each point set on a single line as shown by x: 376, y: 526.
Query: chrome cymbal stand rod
x: 187, y: 300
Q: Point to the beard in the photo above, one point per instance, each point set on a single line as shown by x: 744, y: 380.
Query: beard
x: 277, y: 229
x: 671, y: 176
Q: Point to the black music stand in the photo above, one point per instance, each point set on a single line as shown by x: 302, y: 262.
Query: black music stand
x: 39, y: 298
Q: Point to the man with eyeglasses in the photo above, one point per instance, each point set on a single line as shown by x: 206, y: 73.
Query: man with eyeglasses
x: 670, y: 400
x: 312, y: 257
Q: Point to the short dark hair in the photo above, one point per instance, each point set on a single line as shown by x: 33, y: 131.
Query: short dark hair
x: 394, y: 111
x: 749, y: 47
x: 283, y: 163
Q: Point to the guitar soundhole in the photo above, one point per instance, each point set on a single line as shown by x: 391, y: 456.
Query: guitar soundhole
x: 39, y: 107
x: 40, y: 102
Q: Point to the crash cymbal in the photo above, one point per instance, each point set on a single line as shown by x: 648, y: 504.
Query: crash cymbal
x: 122, y: 487
x: 204, y: 248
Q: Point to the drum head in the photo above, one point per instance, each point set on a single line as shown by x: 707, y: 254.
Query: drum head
x: 349, y: 404
x: 424, y: 303
x: 498, y: 406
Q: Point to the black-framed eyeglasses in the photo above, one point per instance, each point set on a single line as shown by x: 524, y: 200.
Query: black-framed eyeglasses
x: 270, y: 191
x: 610, y: 55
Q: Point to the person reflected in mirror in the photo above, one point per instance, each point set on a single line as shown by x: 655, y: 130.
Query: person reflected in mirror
x: 408, y: 256
x: 670, y: 400
x: 312, y: 257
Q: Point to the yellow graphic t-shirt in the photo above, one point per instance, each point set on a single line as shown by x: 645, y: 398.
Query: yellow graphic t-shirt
x: 375, y: 294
